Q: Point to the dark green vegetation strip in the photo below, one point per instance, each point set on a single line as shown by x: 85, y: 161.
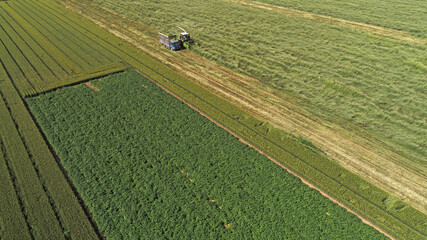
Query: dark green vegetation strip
x: 393, y: 216
x: 342, y: 75
x: 151, y: 167
x: 46, y: 200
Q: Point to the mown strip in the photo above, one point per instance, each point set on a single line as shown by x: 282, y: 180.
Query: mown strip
x: 78, y: 78
x: 12, y: 220
x: 348, y: 189
x: 401, y: 221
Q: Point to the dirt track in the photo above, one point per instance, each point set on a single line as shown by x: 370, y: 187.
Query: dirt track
x: 355, y: 149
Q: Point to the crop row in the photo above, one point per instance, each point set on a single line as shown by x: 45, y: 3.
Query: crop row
x: 40, y: 52
x: 402, y: 220
x: 91, y: 50
x: 40, y: 215
x: 129, y: 55
x: 50, y: 208
x: 58, y: 37
x: 12, y: 220
x: 19, y: 48
x: 25, y: 28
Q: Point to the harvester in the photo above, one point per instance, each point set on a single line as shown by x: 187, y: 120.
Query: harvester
x: 184, y: 42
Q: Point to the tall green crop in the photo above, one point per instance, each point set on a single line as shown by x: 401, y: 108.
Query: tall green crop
x: 149, y: 166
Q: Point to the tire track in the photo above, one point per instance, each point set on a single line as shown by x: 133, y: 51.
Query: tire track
x: 373, y: 29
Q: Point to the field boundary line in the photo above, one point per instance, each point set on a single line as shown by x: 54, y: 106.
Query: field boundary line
x: 5, y: 163
x: 60, y: 197
x: 34, y: 193
x: 76, y: 193
x: 92, y: 73
x: 354, y: 157
x: 373, y: 29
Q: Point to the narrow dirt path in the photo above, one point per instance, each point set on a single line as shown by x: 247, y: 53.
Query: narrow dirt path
x: 355, y: 149
x: 89, y: 85
x: 373, y: 29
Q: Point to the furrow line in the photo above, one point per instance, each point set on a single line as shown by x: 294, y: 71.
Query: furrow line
x: 94, y: 48
x: 72, y: 67
x: 52, y: 64
x: 82, y: 33
x: 42, y: 221
x: 71, y: 40
x: 72, y: 52
x: 16, y: 72
x: 43, y: 70
x: 14, y: 213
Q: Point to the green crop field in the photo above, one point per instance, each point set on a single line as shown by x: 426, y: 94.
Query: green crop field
x: 338, y: 72
x: 169, y: 172
x: 44, y: 46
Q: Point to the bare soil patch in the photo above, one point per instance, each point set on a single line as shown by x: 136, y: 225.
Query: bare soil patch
x: 89, y: 85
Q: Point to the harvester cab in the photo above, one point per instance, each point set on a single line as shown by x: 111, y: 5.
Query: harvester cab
x: 184, y: 41
x: 185, y: 36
